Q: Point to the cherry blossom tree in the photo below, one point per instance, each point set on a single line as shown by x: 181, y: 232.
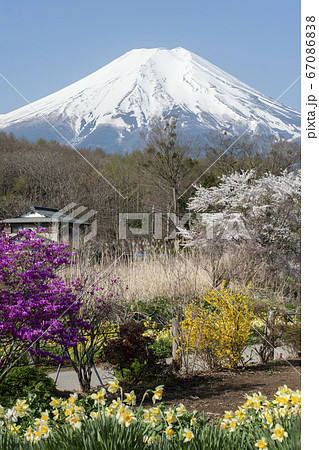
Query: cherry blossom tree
x: 269, y: 206
x: 242, y: 207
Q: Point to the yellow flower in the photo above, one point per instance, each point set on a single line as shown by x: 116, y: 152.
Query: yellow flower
x: 149, y: 439
x: 180, y: 410
x: 75, y: 421
x: 37, y: 436
x: 169, y: 432
x: 73, y: 398
x: 21, y: 407
x: 170, y: 417
x: 269, y: 420
x: 256, y: 404
x: 282, y: 399
x: 279, y: 433
x: 155, y: 419
x: 94, y: 414
x: 121, y: 410
x: 14, y: 428
x: 295, y: 397
x: 283, y: 390
x: 193, y: 421
x: 130, y: 398
x: 55, y: 402
x: 99, y: 397
x: 44, y: 417
x: 158, y: 393
x: 155, y: 411
x: 29, y: 434
x: 115, y: 403
x: 114, y: 385
x: 228, y: 415
x: 147, y: 415
x: 109, y: 412
x: 188, y: 435
x: 239, y: 414
x: 45, y: 431
x: 127, y: 418
x: 68, y: 412
x: 232, y: 425
x: 262, y: 443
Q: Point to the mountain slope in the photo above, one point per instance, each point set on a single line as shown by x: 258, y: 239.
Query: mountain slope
x: 111, y: 107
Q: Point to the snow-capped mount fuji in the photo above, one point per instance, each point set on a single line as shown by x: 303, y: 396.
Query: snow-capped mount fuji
x: 110, y: 107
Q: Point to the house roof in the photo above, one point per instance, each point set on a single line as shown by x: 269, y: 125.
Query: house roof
x: 38, y: 214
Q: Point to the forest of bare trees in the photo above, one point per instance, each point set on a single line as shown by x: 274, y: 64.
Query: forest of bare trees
x: 159, y: 176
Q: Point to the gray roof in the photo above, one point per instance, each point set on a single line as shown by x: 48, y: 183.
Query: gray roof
x: 50, y: 215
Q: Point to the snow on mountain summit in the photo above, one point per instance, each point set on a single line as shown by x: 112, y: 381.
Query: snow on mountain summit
x: 110, y: 107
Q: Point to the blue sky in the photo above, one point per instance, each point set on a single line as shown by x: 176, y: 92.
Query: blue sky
x: 46, y: 45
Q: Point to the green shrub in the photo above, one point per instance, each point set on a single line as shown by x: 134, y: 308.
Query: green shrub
x: 162, y: 348
x: 26, y: 382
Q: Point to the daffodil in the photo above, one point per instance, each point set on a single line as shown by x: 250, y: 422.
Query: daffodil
x: 109, y: 412
x: 130, y: 398
x: 155, y: 411
x: 73, y: 398
x: 283, y: 390
x: 193, y: 421
x: 75, y: 421
x: 68, y: 412
x: 239, y: 414
x: 228, y: 415
x: 11, y: 415
x: 158, y: 393
x: 29, y: 434
x: 279, y: 433
x: 269, y: 420
x: 180, y: 410
x: 155, y: 419
x: 148, y: 440
x: 295, y: 397
x: 114, y: 385
x: 170, y: 416
x: 262, y: 443
x: 188, y: 435
x: 37, y: 436
x: 169, y: 432
x: 232, y: 425
x: 116, y: 403
x: 147, y: 416
x: 45, y: 431
x: 282, y: 399
x: 55, y: 402
x: 127, y: 418
x: 99, y: 397
x: 56, y: 414
x: 22, y: 408
x: 45, y: 416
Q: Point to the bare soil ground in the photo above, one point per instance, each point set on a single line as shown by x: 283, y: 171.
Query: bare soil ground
x: 226, y: 390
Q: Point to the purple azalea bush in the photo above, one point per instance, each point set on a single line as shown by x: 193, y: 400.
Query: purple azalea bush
x: 35, y: 303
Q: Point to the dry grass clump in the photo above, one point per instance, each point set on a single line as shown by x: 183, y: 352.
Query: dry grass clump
x: 182, y: 274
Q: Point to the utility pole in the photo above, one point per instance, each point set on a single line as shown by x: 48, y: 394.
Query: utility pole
x: 153, y: 225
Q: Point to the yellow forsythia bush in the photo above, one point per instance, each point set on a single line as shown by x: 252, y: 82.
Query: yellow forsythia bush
x: 216, y: 328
